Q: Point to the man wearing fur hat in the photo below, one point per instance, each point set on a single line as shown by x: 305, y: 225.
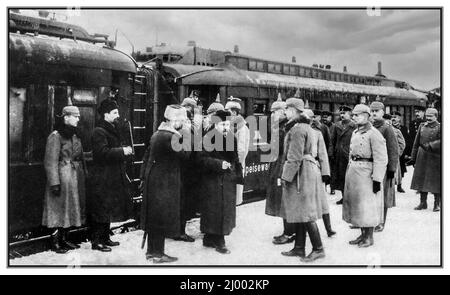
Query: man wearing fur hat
x: 110, y: 200
x: 426, y: 156
x: 162, y: 184
x: 242, y: 134
x: 64, y: 202
x: 377, y: 112
x: 222, y: 171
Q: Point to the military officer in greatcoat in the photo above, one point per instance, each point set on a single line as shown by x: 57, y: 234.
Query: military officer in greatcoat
x: 426, y: 156
x: 377, y: 112
x: 397, y: 123
x: 363, y: 194
x: 64, y: 201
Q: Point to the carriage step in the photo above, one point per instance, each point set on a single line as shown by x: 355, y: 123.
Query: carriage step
x: 138, y: 127
x: 139, y: 110
x: 138, y: 162
x: 140, y: 93
x: 139, y: 144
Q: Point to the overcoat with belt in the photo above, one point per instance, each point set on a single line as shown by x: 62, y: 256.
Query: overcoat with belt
x: 218, y: 186
x: 273, y: 189
x: 393, y: 159
x: 361, y: 207
x: 64, y: 166
x: 426, y: 152
x: 301, y: 199
x: 162, y: 178
x: 340, y: 136
x: 322, y: 157
x: 110, y: 199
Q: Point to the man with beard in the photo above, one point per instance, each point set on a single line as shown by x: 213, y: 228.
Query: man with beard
x: 64, y: 202
x: 377, y: 111
x: 110, y: 200
x: 340, y: 136
x: 242, y: 134
x: 397, y: 123
x: 162, y: 184
x: 363, y: 199
x: 222, y: 171
x: 273, y: 189
x: 426, y: 156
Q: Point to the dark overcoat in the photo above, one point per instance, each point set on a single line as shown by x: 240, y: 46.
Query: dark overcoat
x: 64, y: 166
x: 393, y: 157
x: 161, y: 174
x: 273, y: 189
x: 340, y: 136
x: 110, y: 199
x: 413, y: 128
x: 218, y: 187
x: 426, y: 152
x: 407, y: 150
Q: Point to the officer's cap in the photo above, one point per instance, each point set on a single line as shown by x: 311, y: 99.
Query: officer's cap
x: 233, y: 103
x: 107, y: 105
x: 296, y: 103
x: 376, y: 105
x: 70, y: 110
x: 175, y: 112
x: 431, y: 111
x: 361, y: 108
x: 345, y: 109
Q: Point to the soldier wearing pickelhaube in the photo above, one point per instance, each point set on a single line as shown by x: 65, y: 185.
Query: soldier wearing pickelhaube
x: 377, y: 112
x: 215, y: 106
x: 273, y: 189
x: 64, y: 202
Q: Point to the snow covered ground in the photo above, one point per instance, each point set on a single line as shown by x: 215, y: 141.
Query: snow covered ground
x: 410, y: 238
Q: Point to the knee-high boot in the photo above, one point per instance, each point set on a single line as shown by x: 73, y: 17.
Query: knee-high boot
x: 65, y: 242
x: 56, y: 244
x: 437, y: 203
x: 327, y: 223
x: 317, y: 251
x: 300, y: 240
x: 423, y: 201
x: 360, y: 238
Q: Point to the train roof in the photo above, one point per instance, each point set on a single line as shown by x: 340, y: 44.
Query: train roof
x: 232, y: 76
x: 48, y: 50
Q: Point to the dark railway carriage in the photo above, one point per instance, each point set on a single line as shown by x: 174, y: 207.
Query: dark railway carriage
x: 45, y: 74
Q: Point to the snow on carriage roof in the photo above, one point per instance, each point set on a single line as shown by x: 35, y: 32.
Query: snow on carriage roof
x: 231, y: 76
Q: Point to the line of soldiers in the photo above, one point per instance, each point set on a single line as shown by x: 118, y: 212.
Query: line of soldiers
x: 366, y: 148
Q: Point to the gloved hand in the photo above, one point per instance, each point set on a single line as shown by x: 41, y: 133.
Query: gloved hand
x: 390, y: 174
x: 326, y: 179
x: 55, y: 190
x: 376, y: 186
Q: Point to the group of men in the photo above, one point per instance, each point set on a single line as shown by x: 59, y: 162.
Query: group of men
x: 368, y: 153
x: 194, y: 164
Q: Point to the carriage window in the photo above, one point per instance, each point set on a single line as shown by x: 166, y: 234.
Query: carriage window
x: 286, y: 69
x: 86, y: 99
x: 325, y: 106
x: 260, y: 66
x: 293, y: 70
x: 274, y: 68
x: 260, y: 108
x: 17, y: 97
x: 252, y: 65
x: 83, y: 96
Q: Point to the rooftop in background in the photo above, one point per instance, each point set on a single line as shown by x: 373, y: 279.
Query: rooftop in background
x: 191, y: 54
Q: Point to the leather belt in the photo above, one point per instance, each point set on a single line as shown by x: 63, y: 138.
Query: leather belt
x: 355, y: 158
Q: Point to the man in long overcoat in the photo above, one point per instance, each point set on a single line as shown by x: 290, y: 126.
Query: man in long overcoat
x: 221, y: 171
x: 64, y: 202
x: 302, y: 183
x: 397, y: 123
x: 377, y: 111
x: 161, y: 174
x: 414, y: 125
x: 340, y: 136
x: 426, y: 155
x: 273, y: 189
x: 363, y: 199
x: 110, y: 200
x: 322, y: 158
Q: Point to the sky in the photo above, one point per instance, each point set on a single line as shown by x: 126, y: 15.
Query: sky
x: 407, y: 42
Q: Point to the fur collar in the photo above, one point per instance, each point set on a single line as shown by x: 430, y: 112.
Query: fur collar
x: 164, y: 126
